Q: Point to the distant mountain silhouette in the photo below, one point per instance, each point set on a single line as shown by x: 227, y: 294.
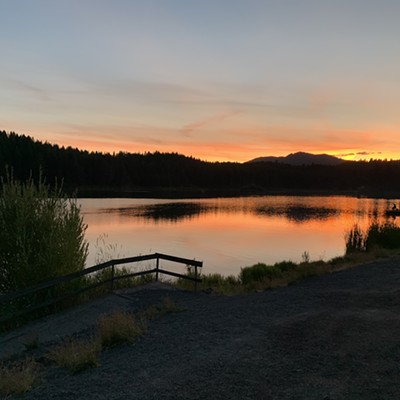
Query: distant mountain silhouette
x: 169, y: 175
x: 301, y: 158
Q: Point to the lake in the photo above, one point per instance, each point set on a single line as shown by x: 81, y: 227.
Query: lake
x: 226, y: 233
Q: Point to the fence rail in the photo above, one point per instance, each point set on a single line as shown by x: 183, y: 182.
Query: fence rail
x: 11, y: 299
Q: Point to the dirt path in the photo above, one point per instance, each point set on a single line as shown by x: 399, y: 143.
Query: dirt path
x: 333, y: 337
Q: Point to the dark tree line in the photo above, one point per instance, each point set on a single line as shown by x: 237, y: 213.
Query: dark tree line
x: 91, y: 173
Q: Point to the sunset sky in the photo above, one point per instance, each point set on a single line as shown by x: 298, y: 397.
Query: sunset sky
x: 226, y: 80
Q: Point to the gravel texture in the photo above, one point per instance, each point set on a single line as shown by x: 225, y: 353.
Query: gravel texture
x: 331, y: 337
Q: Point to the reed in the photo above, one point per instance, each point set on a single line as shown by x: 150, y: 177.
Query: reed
x: 376, y: 236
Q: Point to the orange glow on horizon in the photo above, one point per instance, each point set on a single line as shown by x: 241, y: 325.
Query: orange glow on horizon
x: 224, y: 151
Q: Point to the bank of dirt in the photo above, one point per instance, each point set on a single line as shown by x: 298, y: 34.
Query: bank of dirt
x: 330, y: 337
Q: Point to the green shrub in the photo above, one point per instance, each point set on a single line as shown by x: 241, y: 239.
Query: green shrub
x: 286, y: 265
x: 258, y: 272
x: 41, y: 234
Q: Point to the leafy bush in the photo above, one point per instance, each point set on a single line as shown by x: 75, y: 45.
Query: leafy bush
x: 41, y: 234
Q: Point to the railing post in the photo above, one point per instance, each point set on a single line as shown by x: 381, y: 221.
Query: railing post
x: 112, y: 277
x: 157, y: 267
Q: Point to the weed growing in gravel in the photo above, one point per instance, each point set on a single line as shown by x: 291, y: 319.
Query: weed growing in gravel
x: 19, y: 377
x: 76, y: 355
x: 168, y: 306
x: 120, y: 327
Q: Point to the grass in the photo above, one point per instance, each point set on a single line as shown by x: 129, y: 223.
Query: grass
x: 111, y: 330
x: 121, y: 280
x: 378, y: 241
x: 76, y: 355
x: 118, y: 328
x: 121, y: 327
x: 19, y: 377
x: 261, y: 276
x: 168, y: 306
x: 377, y: 237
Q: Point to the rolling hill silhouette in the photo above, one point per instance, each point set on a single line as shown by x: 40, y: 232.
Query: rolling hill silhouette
x: 301, y: 158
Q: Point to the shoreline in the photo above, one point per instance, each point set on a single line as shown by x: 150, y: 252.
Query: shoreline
x: 198, y: 193
x: 331, y: 337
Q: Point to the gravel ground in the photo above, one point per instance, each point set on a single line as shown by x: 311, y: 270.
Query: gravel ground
x: 331, y: 337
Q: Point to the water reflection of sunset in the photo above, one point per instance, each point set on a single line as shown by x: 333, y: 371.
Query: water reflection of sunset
x: 230, y: 233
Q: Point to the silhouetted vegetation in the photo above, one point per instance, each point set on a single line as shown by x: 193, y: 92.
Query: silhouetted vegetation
x: 41, y: 237
x: 41, y: 234
x: 261, y: 276
x: 172, y: 174
x: 376, y: 237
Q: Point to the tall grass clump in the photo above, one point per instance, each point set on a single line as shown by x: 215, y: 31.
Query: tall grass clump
x: 19, y: 377
x: 376, y: 237
x: 76, y: 355
x: 385, y: 236
x: 119, y: 327
x: 168, y: 306
x: 355, y: 240
x: 41, y: 234
x: 215, y: 282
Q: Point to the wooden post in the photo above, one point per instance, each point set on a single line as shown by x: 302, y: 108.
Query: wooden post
x: 112, y: 276
x: 157, y: 267
x: 195, y: 276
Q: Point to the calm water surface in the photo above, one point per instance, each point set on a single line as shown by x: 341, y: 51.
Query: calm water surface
x: 229, y: 233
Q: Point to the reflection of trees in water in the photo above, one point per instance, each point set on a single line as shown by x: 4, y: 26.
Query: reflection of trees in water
x: 173, y: 211
x: 299, y: 213
x: 177, y: 211
x: 169, y: 211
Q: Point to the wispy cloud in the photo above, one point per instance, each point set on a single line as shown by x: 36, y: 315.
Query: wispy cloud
x: 188, y: 130
x: 29, y: 89
x: 367, y: 153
